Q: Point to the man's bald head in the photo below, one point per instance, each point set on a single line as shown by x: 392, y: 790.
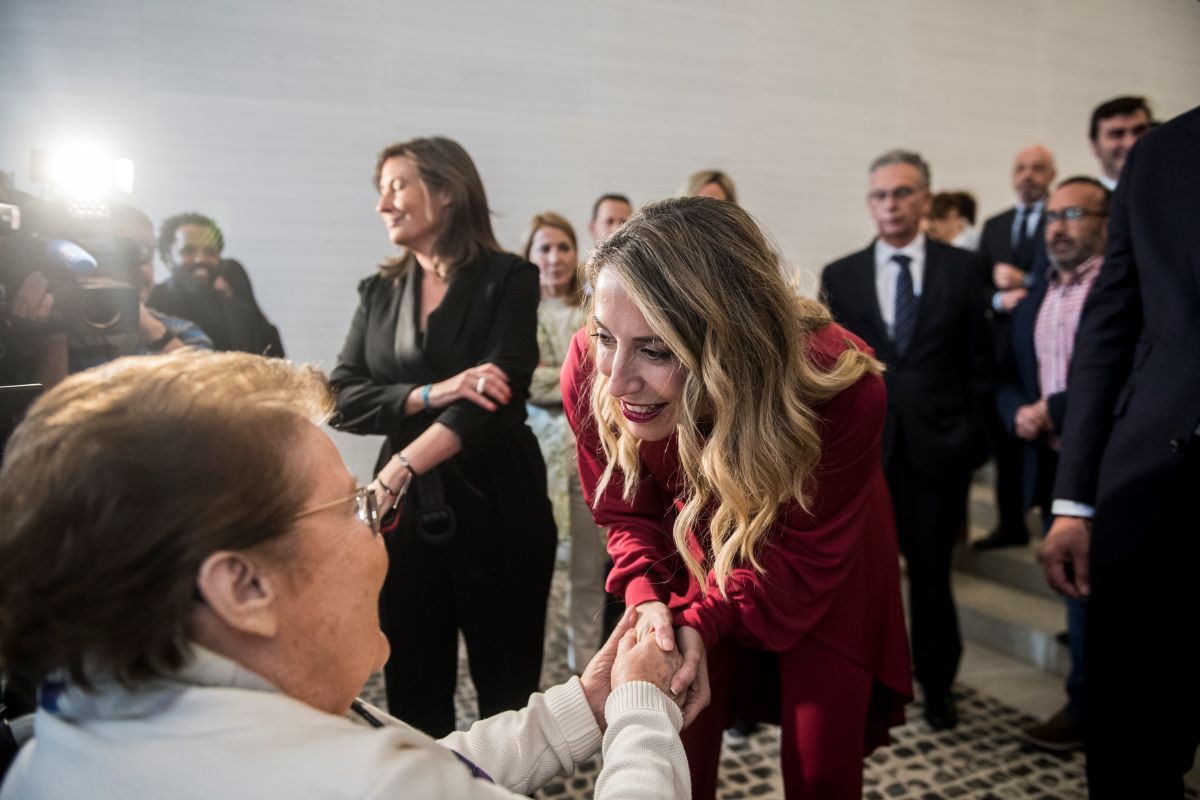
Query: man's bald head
x: 1033, y: 172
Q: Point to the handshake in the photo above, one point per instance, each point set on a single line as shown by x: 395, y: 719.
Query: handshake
x: 637, y: 652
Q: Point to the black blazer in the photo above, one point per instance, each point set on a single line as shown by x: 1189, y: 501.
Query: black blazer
x: 939, y: 391
x: 1018, y: 385
x: 239, y: 281
x: 230, y: 322
x: 489, y: 314
x: 1135, y: 373
x: 995, y: 243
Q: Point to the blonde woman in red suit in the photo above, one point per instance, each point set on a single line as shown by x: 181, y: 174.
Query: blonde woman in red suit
x: 728, y: 436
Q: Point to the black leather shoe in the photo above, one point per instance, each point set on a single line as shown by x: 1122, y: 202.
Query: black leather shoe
x: 1002, y: 538
x: 941, y: 712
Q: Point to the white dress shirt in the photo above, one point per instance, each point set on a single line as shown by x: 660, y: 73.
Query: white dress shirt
x: 967, y: 239
x: 887, y: 270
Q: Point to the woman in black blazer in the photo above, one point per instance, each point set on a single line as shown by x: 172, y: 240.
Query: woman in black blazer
x: 439, y: 359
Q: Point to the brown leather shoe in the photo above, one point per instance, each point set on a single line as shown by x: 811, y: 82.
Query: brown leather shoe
x: 1061, y: 733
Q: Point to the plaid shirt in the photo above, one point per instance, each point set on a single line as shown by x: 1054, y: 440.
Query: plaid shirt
x: 1057, y: 321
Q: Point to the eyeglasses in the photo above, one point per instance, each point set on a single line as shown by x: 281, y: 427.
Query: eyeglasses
x: 1072, y: 213
x: 898, y: 194
x: 366, y: 508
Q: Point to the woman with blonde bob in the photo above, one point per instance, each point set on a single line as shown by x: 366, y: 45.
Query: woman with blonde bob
x: 729, y: 437
x: 550, y: 245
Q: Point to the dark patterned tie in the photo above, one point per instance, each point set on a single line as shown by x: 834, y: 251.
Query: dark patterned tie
x: 1023, y: 249
x: 906, y: 305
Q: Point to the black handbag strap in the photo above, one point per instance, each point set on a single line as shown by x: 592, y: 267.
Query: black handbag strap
x: 434, y: 520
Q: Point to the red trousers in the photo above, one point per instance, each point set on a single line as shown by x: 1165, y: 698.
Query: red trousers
x: 822, y: 708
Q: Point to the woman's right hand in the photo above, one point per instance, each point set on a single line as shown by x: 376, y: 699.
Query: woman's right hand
x: 654, y: 619
x: 484, y: 385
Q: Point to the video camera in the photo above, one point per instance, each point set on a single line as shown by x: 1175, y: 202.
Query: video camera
x: 92, y: 275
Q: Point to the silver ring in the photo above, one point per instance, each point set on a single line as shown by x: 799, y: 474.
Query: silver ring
x: 482, y: 383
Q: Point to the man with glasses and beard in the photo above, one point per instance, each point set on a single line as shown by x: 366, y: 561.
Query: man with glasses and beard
x: 1031, y: 397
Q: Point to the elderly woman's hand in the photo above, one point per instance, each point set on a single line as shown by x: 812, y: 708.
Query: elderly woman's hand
x: 597, y: 676
x: 644, y: 660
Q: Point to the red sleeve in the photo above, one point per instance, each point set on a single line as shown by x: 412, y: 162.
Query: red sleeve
x: 808, y: 556
x: 639, y: 533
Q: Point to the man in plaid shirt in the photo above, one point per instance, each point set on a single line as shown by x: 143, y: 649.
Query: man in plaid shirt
x: 1032, y: 395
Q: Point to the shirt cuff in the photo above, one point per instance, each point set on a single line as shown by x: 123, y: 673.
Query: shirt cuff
x: 996, y: 306
x: 1069, y: 508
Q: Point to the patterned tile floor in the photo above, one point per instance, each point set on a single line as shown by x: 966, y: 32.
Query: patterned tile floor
x: 982, y: 759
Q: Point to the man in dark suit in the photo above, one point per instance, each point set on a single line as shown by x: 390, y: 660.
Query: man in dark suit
x: 1125, y: 533
x: 204, y: 289
x: 1032, y: 394
x: 920, y: 305
x: 1113, y: 130
x: 1014, y: 250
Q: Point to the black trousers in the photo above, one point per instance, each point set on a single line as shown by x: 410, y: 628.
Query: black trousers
x: 1008, y: 453
x: 930, y: 512
x: 1143, y: 718
x: 491, y: 581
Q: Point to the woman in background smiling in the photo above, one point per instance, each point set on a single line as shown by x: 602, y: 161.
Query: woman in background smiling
x: 438, y: 360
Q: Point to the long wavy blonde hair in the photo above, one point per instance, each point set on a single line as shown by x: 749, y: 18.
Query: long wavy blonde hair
x: 710, y: 285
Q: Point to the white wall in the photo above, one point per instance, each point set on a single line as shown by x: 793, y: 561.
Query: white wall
x: 267, y: 114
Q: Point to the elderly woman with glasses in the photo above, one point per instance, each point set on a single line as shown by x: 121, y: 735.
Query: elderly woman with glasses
x: 189, y: 572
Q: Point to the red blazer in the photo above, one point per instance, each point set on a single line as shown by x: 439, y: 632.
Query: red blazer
x: 832, y: 574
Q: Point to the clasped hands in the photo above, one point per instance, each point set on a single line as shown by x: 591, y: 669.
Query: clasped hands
x: 1032, y: 420
x: 642, y: 649
x: 1010, y: 285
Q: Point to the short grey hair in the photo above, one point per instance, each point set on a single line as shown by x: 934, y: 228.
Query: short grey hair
x: 898, y: 156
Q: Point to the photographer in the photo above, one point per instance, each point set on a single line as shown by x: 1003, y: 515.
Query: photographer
x: 125, y: 243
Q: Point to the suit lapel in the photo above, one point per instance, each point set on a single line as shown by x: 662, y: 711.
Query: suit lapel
x: 933, y: 290
x: 864, y: 277
x: 1193, y: 127
x: 447, y: 320
x: 1006, y: 241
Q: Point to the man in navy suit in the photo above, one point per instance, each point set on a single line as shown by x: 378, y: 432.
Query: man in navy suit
x: 1125, y: 533
x: 1012, y: 243
x: 1013, y: 248
x: 1031, y: 396
x: 921, y: 305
